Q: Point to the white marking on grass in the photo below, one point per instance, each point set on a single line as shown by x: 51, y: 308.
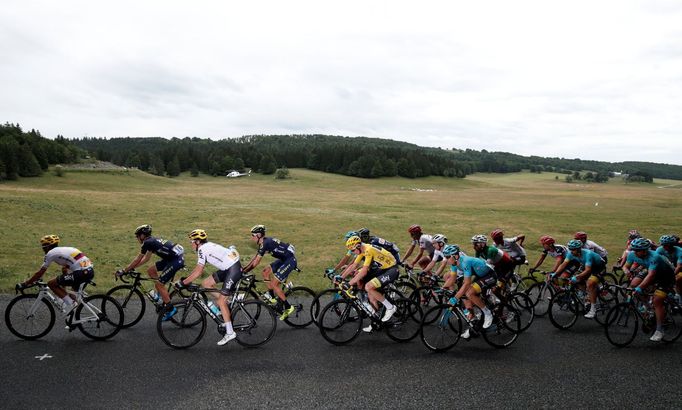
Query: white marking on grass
x: 669, y: 186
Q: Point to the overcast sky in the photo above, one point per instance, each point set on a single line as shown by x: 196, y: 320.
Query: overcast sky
x: 590, y: 79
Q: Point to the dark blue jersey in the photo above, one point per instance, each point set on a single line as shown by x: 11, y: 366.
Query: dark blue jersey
x: 162, y: 248
x: 389, y: 246
x: 279, y: 250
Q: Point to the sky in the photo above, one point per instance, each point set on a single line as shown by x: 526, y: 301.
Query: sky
x: 594, y: 79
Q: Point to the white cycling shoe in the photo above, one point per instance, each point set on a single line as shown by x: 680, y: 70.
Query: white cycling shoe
x: 226, y: 338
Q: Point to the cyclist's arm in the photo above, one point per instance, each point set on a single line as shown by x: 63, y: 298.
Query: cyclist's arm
x: 361, y: 274
x: 562, y: 266
x: 252, y: 265
x: 649, y: 278
x: 585, y: 273
x: 140, y: 259
x: 409, y: 252
x: 520, y: 239
x: 36, y: 276
x: 465, y: 286
x: 342, y: 262
x: 540, y: 261
x: 418, y: 258
x: 196, y: 272
x: 441, y: 267
x: 430, y: 265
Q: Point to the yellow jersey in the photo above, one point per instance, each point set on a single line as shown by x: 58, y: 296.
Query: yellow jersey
x: 377, y: 255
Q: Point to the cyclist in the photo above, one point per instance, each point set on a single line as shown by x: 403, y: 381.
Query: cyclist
x: 76, y: 269
x: 172, y: 260
x: 365, y: 237
x: 439, y: 241
x: 497, y: 258
x: 513, y: 246
x: 593, y: 266
x: 425, y: 248
x: 659, y: 273
x: 229, y: 272
x: 632, y: 235
x: 551, y: 248
x: 673, y: 252
x: 478, y: 277
x: 347, y: 257
x: 379, y: 268
x: 279, y: 270
x: 591, y: 245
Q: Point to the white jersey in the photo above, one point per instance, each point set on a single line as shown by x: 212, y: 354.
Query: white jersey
x: 220, y: 257
x: 71, y: 258
x: 425, y: 242
x: 510, y: 246
x: 595, y: 248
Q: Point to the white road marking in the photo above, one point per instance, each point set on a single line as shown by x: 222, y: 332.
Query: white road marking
x: 45, y: 356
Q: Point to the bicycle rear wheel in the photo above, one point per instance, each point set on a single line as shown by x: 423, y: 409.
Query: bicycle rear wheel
x: 340, y: 322
x: 29, y: 318
x: 440, y: 328
x: 622, y: 323
x: 672, y: 325
x: 505, y: 328
x: 540, y: 293
x: 524, y: 305
x: 404, y: 325
x: 607, y: 297
x: 301, y: 298
x: 254, y: 322
x: 187, y: 327
x: 564, y: 309
x: 99, y: 317
x: 132, y: 302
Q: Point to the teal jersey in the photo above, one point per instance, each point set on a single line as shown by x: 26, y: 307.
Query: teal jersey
x: 588, y: 258
x: 675, y: 257
x: 653, y: 261
x: 473, y: 267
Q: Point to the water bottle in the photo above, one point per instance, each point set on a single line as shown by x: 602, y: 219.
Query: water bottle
x: 154, y: 295
x: 215, y: 309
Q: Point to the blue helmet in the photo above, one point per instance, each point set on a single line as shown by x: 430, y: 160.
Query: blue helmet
x: 450, y: 250
x: 668, y: 240
x: 640, y: 244
x: 349, y: 234
x: 574, y: 244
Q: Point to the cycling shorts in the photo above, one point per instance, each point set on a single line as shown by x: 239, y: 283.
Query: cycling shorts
x: 75, y: 278
x: 383, y: 277
x: 167, y: 268
x: 484, y: 283
x: 282, y: 268
x: 229, y: 277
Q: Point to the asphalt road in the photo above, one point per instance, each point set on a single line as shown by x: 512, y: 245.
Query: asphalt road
x: 545, y: 368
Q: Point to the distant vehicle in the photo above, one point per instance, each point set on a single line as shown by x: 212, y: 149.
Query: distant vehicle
x: 237, y: 174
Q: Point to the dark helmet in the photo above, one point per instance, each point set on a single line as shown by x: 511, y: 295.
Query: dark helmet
x: 363, y: 233
x: 143, y: 230
x: 258, y: 229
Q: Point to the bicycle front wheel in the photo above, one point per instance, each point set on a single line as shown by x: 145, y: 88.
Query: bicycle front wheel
x: 564, y: 309
x: 301, y: 298
x: 440, y: 328
x: 340, y: 322
x: 186, y: 328
x: 29, y: 318
x: 524, y: 305
x: 622, y: 323
x: 404, y: 325
x: 99, y: 317
x: 672, y: 325
x: 505, y: 328
x: 540, y: 293
x: 321, y: 300
x: 132, y: 302
x: 254, y: 322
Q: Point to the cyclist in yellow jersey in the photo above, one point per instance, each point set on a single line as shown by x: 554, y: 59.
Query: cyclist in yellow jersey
x: 379, y: 268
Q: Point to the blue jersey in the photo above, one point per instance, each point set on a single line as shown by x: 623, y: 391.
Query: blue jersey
x: 653, y: 261
x: 164, y: 249
x: 279, y: 250
x: 470, y: 266
x: 588, y: 258
x: 675, y: 257
x: 389, y: 246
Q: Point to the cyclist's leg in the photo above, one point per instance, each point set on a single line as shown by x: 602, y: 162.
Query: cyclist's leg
x: 592, y: 284
x: 56, y: 288
x: 168, y: 270
x: 281, y: 271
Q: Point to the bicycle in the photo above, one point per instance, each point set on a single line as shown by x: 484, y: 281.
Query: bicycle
x: 441, y: 326
x: 31, y: 316
x: 341, y: 320
x: 567, y: 304
x: 253, y: 321
x: 622, y: 320
x: 324, y: 297
x: 132, y: 297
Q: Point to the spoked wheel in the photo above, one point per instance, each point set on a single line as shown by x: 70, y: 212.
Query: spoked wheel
x: 540, y: 293
x: 404, y: 325
x: 404, y: 287
x: 426, y: 297
x: 29, y: 318
x: 672, y: 325
x: 622, y: 323
x: 607, y: 297
x: 99, y: 317
x: 185, y: 329
x: 132, y: 302
x: 340, y: 322
x: 505, y: 328
x: 301, y: 298
x: 525, y: 284
x: 254, y: 322
x: 564, y: 309
x: 441, y: 328
x: 526, y: 308
x: 321, y: 300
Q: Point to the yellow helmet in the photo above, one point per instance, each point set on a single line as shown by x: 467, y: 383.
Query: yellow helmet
x: 49, y: 240
x: 353, y: 242
x: 198, y: 234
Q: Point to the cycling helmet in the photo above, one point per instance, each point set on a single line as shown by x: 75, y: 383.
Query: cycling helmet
x: 49, y: 240
x: 143, y: 230
x: 363, y: 233
x: 479, y: 239
x: 415, y: 230
x: 574, y: 244
x: 349, y: 234
x: 198, y: 234
x: 580, y: 235
x: 633, y: 234
x: 353, y: 242
x: 450, y: 250
x: 547, y: 240
x: 258, y: 229
x: 497, y: 234
x: 668, y: 240
x: 440, y: 238
x: 640, y: 244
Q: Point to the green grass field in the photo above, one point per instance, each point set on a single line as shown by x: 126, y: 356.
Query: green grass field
x: 98, y: 211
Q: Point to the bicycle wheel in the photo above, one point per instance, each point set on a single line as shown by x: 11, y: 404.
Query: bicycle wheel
x: 440, y: 328
x: 622, y: 323
x: 340, y: 322
x: 424, y: 297
x: 607, y: 297
x: 187, y: 327
x: 254, y: 322
x: 132, y: 302
x: 321, y: 300
x: 29, y: 318
x: 540, y: 293
x: 99, y: 317
x: 404, y: 287
x: 301, y: 298
x: 564, y: 309
x: 404, y: 325
x: 525, y: 283
x: 672, y: 325
x: 505, y: 328
x: 524, y: 305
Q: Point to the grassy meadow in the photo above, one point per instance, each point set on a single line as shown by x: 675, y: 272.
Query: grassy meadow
x: 98, y: 211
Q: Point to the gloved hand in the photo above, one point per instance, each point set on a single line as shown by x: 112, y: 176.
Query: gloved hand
x: 179, y: 285
x: 638, y: 290
x: 552, y: 275
x: 329, y: 271
x: 120, y: 272
x: 19, y: 287
x: 453, y: 301
x: 574, y: 279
